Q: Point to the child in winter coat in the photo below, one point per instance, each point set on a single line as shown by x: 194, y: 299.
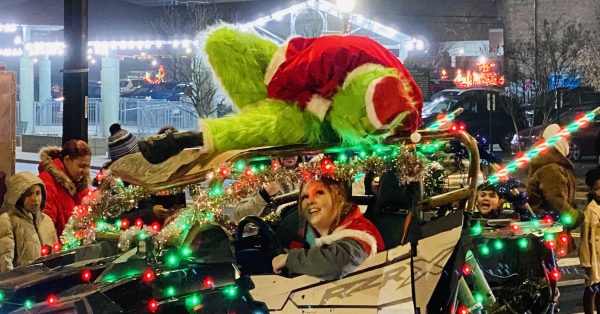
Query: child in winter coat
x: 337, y: 238
x: 589, y: 250
x: 24, y: 228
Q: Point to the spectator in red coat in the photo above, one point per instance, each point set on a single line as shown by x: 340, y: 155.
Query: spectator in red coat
x: 66, y: 173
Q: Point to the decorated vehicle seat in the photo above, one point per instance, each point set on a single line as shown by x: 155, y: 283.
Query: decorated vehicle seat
x: 392, y: 207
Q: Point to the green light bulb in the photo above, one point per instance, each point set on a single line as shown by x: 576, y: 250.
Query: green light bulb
x: 186, y: 251
x: 522, y: 243
x: 362, y: 154
x: 216, y: 191
x: 240, y: 165
x: 100, y: 225
x: 262, y: 167
x: 498, y: 244
x: 172, y: 260
x: 210, y: 216
x: 567, y: 219
x: 478, y: 297
x: 549, y: 236
x: 536, y: 223
x: 192, y: 300
x: 118, y: 223
x: 484, y: 249
x: 342, y: 157
x: 28, y: 304
x: 2, y: 296
x: 476, y: 229
x: 170, y: 292
x: 231, y: 291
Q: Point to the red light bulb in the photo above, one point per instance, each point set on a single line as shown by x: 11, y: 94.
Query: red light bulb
x: 467, y: 270
x: 327, y: 166
x: 463, y: 310
x: 275, y: 164
x: 57, y: 246
x: 563, y: 238
x: 124, y: 224
x: 555, y: 274
x: 45, y: 250
x: 562, y: 252
x: 139, y: 222
x: 548, y: 220
x: 208, y: 282
x: 224, y: 171
x: 462, y: 127
x: 152, y: 305
x: 148, y: 275
x: 86, y: 275
x: 51, y: 299
x: 551, y: 244
x: 155, y: 226
x: 248, y: 172
x: 515, y: 227
x: 453, y: 128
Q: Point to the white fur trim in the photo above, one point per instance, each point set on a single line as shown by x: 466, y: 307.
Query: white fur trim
x: 415, y: 137
x: 370, y: 108
x: 367, y: 67
x: 277, y: 59
x: 339, y: 234
x: 318, y: 106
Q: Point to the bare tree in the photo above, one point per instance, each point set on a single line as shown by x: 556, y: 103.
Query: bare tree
x: 559, y: 49
x: 186, y: 65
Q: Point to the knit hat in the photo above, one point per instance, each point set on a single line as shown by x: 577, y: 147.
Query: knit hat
x: 562, y: 145
x: 121, y: 142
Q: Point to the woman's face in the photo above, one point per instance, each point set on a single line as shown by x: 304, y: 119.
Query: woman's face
x: 317, y: 206
x: 32, y: 199
x: 78, y: 168
x: 596, y: 190
x: 487, y: 201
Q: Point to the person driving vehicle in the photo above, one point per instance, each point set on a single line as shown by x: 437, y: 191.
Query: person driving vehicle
x: 336, y: 238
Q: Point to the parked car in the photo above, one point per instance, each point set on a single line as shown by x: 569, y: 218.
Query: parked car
x: 493, y: 122
x: 128, y: 84
x: 582, y: 142
x: 151, y: 91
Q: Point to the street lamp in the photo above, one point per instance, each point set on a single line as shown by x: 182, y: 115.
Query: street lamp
x: 346, y: 7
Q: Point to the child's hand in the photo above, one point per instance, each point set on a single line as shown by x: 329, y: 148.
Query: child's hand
x: 279, y: 263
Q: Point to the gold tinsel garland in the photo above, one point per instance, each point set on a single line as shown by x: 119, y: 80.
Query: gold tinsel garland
x: 225, y: 188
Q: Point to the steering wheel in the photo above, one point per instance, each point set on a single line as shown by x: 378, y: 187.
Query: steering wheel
x: 254, y: 253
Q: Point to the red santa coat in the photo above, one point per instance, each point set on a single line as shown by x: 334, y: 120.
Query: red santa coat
x: 62, y: 194
x: 306, y: 70
x: 354, y: 226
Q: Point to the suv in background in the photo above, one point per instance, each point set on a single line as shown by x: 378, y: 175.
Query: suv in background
x: 494, y: 123
x: 582, y: 142
x: 128, y: 84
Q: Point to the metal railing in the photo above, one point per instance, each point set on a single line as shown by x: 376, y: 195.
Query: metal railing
x: 139, y: 116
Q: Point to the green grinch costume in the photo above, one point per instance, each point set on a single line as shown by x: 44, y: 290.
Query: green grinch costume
x: 346, y: 89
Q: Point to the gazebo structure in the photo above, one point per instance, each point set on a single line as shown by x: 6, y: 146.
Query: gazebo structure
x: 310, y: 18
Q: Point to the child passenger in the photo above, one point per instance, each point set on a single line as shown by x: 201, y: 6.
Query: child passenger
x: 337, y: 237
x: 24, y: 228
x: 589, y: 250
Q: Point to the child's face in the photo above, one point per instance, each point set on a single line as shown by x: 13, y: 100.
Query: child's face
x: 317, y: 205
x: 32, y: 199
x: 596, y: 190
x: 487, y: 201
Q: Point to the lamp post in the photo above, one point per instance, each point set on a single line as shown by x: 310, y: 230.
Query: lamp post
x: 346, y: 7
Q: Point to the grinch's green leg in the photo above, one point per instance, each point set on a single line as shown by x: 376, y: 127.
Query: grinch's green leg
x: 265, y: 123
x: 349, y: 116
x: 240, y: 61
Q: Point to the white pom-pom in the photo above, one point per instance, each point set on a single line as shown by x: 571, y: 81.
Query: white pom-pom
x: 415, y: 137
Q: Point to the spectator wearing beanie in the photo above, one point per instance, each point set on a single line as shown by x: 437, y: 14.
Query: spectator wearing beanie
x: 121, y: 142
